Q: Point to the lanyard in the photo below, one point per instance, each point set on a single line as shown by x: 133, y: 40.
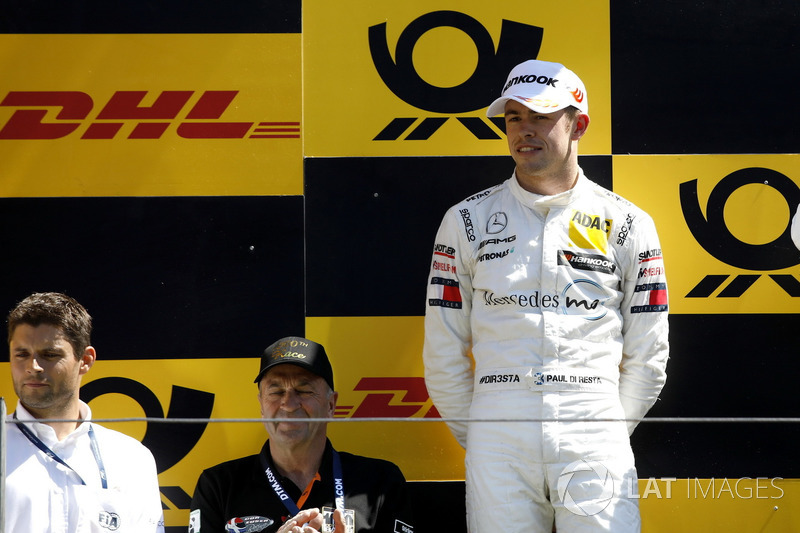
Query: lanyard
x: 338, y: 484
x: 52, y: 455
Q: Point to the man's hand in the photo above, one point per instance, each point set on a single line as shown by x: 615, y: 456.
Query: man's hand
x: 310, y: 521
x: 307, y: 521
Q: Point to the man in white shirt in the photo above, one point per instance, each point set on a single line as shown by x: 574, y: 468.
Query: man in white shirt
x: 66, y: 474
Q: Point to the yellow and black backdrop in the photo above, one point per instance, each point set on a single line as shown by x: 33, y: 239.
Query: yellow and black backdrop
x: 206, y: 177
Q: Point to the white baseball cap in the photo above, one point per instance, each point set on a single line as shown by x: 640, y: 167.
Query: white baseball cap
x: 542, y: 86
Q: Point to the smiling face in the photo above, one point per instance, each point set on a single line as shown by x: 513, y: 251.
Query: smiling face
x: 544, y: 145
x: 45, y: 371
x: 290, y: 391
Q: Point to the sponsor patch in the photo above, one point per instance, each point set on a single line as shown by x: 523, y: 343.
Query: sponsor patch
x: 450, y: 295
x: 650, y: 255
x: 494, y: 255
x: 540, y: 378
x: 247, y: 524
x: 651, y: 271
x: 499, y: 378
x: 591, y: 262
x: 588, y: 231
x: 443, y: 267
x: 650, y: 298
x: 497, y: 223
x: 444, y: 250
x: 486, y: 242
x: 622, y: 234
x: 468, y: 227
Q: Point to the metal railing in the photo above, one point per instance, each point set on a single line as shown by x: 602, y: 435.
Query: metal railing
x: 5, y: 422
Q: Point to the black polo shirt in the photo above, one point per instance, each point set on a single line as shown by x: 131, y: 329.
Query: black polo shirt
x: 237, y: 492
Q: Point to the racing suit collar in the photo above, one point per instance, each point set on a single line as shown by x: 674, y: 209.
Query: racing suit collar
x: 538, y: 201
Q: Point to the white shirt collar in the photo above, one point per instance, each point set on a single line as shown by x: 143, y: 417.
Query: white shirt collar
x: 46, y: 433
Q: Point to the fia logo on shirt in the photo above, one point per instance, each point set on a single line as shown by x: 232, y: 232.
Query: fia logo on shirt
x: 109, y: 521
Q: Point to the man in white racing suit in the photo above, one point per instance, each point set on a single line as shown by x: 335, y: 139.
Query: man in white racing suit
x: 556, y: 287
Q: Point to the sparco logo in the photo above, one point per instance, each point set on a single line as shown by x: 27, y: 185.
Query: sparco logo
x: 517, y: 43
x: 465, y: 216
x: 712, y: 233
x: 171, y: 109
x: 622, y: 235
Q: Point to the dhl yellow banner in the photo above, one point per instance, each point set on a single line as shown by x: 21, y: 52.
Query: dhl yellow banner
x: 144, y: 114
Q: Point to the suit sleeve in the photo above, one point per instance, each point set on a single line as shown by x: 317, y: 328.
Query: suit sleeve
x: 448, y: 366
x: 645, y: 330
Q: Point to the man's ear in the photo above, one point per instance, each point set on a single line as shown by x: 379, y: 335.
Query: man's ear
x: 332, y: 402
x: 580, y: 126
x: 88, y: 358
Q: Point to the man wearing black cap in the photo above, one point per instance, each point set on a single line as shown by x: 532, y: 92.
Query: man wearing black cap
x: 298, y: 482
x: 547, y: 303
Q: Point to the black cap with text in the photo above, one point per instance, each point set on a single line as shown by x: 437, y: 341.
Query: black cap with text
x: 297, y: 351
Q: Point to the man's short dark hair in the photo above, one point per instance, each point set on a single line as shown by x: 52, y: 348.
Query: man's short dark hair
x: 58, y: 310
x: 572, y: 112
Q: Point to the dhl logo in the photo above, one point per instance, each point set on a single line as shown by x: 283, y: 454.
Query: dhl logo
x: 379, y: 400
x: 200, y: 121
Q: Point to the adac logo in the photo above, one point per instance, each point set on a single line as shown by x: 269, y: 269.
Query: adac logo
x: 170, y: 109
x: 517, y: 43
x: 713, y: 235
